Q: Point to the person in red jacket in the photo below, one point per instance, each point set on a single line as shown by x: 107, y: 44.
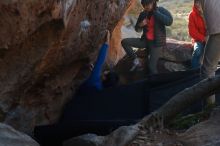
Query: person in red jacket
x: 197, y: 30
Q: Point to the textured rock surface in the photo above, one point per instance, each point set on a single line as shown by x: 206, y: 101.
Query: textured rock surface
x: 177, y: 51
x: 204, y: 134
x: 44, y: 51
x: 11, y: 137
x: 116, y: 52
x: 85, y: 140
x: 116, y: 138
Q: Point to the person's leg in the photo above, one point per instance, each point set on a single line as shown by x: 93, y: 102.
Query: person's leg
x: 197, y: 54
x: 154, y: 57
x: 128, y: 43
x: 210, y: 61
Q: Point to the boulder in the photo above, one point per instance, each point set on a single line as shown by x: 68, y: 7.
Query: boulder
x: 177, y: 51
x: 117, y: 137
x: 10, y: 137
x: 46, y: 47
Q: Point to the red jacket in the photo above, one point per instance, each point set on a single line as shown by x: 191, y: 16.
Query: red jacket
x: 197, y: 28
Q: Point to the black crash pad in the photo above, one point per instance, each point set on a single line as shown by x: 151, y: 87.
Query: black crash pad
x: 101, y: 112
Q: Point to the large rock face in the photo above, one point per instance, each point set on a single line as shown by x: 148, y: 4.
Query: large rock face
x: 43, y: 51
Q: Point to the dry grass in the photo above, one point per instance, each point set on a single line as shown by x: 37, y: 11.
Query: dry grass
x: 180, y: 10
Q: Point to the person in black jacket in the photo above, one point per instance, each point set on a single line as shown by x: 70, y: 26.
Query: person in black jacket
x: 152, y: 20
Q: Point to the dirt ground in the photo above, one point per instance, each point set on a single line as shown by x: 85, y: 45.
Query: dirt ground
x: 157, y: 138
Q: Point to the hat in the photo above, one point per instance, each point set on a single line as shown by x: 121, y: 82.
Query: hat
x: 146, y: 2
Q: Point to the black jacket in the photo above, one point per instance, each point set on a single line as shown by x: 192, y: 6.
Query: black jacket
x: 162, y: 18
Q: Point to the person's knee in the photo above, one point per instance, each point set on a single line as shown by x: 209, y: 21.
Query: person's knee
x: 197, y: 53
x: 124, y: 42
x: 198, y: 49
x: 199, y: 44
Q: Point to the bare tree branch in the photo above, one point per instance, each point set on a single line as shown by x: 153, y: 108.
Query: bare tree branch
x: 167, y: 112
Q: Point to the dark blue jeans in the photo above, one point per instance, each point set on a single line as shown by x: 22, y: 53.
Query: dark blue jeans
x: 198, y: 51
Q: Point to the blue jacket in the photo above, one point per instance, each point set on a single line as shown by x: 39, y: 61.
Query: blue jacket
x: 94, y: 81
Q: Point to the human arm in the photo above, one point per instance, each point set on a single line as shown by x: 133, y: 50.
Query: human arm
x: 164, y: 16
x: 141, y: 22
x: 193, y: 30
x: 95, y: 76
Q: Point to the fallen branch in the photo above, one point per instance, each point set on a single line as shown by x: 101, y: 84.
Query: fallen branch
x: 124, y: 135
x: 177, y: 104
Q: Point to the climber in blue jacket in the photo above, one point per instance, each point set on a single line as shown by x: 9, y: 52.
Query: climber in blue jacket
x: 94, y: 82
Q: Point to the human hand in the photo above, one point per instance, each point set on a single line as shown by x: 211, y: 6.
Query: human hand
x: 143, y: 23
x: 107, y: 37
